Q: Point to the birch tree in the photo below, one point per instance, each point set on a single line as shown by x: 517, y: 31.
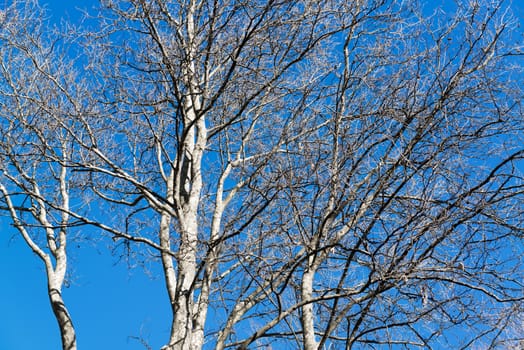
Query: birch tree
x: 311, y: 174
x: 320, y: 173
x: 206, y: 78
x: 35, y: 184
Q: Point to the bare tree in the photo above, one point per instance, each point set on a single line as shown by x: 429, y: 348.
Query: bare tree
x: 311, y: 174
x: 35, y: 183
x: 308, y: 167
x: 201, y: 96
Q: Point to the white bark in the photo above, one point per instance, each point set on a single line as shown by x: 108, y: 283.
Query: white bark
x: 168, y: 266
x: 65, y: 323
x: 55, y: 274
x: 308, y: 316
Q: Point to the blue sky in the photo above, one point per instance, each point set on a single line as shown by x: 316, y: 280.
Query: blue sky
x: 108, y: 302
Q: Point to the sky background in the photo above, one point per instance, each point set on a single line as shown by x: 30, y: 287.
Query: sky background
x: 109, y: 303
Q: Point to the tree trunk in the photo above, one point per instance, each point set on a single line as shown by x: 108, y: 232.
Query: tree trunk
x: 67, y: 331
x: 308, y: 323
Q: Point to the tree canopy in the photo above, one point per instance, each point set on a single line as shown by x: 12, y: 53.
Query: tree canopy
x: 307, y: 174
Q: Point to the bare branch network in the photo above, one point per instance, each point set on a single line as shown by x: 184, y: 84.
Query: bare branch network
x: 313, y: 174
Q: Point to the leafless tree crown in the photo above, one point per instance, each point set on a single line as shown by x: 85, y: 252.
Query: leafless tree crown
x: 309, y: 174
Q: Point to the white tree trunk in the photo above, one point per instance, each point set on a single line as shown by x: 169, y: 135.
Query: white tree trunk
x: 308, y: 322
x: 67, y: 331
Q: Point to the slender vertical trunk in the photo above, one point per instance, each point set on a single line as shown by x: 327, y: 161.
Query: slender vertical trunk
x: 169, y: 270
x: 308, y: 322
x: 65, y: 324
x: 203, y: 299
x: 183, y: 315
x: 188, y: 320
x: 188, y: 193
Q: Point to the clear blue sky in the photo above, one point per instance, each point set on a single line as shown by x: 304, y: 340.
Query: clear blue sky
x: 108, y: 302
